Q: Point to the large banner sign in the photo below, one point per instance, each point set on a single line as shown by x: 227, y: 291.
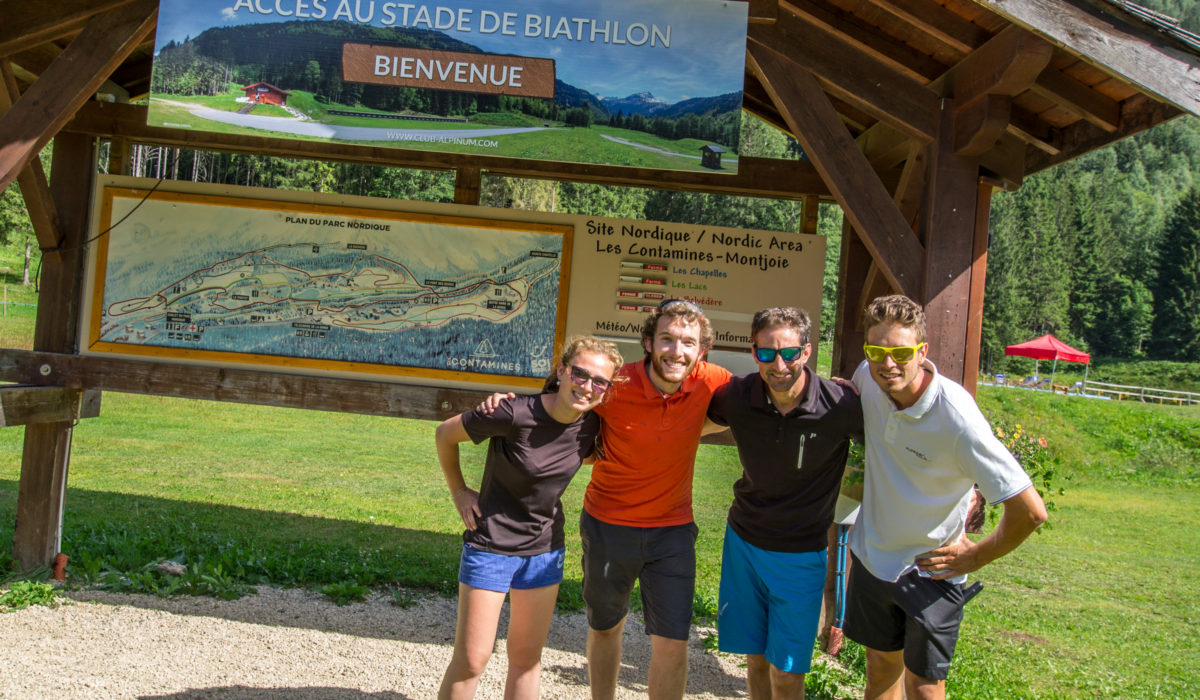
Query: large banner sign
x: 645, y: 83
x: 440, y: 294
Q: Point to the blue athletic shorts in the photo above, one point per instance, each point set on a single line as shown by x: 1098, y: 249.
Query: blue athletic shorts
x: 500, y: 572
x: 770, y: 603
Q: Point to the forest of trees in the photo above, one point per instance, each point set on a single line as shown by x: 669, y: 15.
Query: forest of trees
x: 1082, y: 250
x: 1102, y: 251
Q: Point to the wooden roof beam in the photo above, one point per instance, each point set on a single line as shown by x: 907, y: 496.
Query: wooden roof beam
x: 984, y: 83
x: 936, y: 21
x: 863, y: 197
x: 27, y: 24
x: 851, y: 75
x: 1033, y: 131
x: 1114, y: 42
x: 756, y: 177
x: 35, y: 60
x: 69, y: 82
x: 1008, y: 64
x: 34, y: 187
x: 868, y: 39
x: 979, y: 124
x: 762, y: 12
x: 883, y: 145
x: 1138, y: 113
x: 1102, y: 111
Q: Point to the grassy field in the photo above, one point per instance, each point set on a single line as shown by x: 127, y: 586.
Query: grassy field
x: 248, y: 495
x: 17, y: 302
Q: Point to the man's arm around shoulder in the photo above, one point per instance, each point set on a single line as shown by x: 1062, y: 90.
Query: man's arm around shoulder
x: 1023, y: 513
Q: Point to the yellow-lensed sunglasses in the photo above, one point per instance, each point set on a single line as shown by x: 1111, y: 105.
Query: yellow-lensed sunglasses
x: 900, y: 353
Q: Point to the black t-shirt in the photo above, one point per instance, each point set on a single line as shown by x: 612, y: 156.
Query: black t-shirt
x: 531, y: 459
x: 791, y: 464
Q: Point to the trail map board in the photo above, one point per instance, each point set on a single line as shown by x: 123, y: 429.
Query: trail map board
x: 202, y: 277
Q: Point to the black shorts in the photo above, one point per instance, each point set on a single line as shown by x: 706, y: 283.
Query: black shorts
x: 617, y: 556
x: 916, y: 614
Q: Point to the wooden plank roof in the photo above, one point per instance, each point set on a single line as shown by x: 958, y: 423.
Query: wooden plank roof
x: 1033, y: 82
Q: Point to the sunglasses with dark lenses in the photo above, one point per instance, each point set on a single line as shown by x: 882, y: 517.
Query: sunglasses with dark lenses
x: 900, y: 353
x: 579, y: 377
x: 765, y: 355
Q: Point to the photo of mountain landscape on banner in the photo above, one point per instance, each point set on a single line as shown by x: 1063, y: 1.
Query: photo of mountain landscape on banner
x: 646, y: 83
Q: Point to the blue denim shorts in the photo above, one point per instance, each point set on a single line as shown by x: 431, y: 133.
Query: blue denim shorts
x: 500, y: 572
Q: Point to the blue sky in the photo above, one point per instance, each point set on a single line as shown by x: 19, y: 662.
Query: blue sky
x: 706, y: 56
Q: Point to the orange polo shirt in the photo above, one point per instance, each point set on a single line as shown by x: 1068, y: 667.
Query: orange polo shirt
x: 650, y: 441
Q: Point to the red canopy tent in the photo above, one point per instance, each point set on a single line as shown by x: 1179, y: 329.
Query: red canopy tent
x: 1048, y: 347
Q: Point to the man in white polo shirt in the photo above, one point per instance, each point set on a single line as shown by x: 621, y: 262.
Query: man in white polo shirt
x: 927, y: 445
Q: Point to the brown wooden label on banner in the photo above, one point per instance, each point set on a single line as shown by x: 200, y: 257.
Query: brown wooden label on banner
x: 448, y: 70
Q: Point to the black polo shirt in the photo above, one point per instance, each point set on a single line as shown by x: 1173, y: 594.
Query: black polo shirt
x: 791, y: 464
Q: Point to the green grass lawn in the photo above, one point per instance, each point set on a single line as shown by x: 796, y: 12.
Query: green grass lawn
x: 18, y: 303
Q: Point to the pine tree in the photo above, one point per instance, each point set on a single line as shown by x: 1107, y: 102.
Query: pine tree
x: 1175, y: 333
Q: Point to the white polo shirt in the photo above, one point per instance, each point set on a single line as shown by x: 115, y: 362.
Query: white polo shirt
x: 921, y: 465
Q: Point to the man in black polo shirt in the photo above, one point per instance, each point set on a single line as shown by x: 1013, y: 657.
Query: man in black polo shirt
x: 793, y: 432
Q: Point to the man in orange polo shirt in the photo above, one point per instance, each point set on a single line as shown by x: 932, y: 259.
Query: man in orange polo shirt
x: 637, y: 522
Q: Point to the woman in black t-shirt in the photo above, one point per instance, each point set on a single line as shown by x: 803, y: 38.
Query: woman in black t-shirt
x: 514, y: 539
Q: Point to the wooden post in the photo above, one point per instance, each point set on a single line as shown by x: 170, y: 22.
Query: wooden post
x: 948, y: 231
x: 812, y: 209
x: 38, y: 531
x: 119, y: 162
x: 848, y: 336
x: 467, y: 182
x: 983, y: 210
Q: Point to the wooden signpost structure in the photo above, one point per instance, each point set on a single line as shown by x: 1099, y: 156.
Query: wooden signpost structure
x: 911, y: 113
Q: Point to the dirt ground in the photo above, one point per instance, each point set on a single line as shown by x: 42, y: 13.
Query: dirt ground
x: 287, y: 643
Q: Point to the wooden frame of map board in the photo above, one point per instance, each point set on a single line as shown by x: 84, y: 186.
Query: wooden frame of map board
x: 324, y: 284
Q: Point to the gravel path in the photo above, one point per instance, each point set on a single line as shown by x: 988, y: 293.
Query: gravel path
x: 288, y: 643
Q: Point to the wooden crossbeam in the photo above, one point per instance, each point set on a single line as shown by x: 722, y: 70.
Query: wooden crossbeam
x: 851, y: 75
x: 1033, y: 131
x: 34, y: 61
x: 982, y: 85
x: 865, y: 201
x: 1109, y: 41
x: 980, y: 124
x: 237, y: 385
x: 1008, y: 64
x: 867, y: 38
x: 34, y: 187
x: 762, y: 11
x: 69, y: 82
x: 27, y: 24
x: 936, y: 21
x: 29, y: 405
x: 1102, y: 111
x: 1138, y: 113
x: 756, y: 177
x: 376, y: 398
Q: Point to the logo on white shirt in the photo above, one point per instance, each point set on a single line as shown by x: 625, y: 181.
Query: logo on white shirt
x: 918, y: 455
